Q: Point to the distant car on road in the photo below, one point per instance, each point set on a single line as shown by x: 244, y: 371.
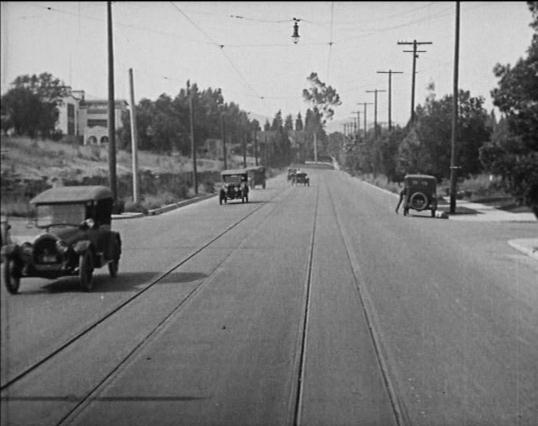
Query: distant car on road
x: 302, y: 178
x: 235, y: 186
x: 419, y: 193
x: 256, y: 176
x: 76, y: 238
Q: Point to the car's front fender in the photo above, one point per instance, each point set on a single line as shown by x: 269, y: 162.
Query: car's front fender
x: 10, y: 250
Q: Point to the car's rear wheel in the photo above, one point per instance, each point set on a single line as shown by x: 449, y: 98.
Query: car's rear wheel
x: 85, y: 271
x: 418, y: 201
x: 12, y: 278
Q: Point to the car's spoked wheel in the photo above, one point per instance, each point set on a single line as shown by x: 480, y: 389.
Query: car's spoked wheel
x: 12, y: 277
x: 85, y: 266
x: 113, y: 268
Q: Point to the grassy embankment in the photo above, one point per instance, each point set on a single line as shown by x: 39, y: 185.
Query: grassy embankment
x: 30, y: 166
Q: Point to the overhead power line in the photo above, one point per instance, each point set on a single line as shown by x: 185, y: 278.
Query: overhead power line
x: 221, y: 47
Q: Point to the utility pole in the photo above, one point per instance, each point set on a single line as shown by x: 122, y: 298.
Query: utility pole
x: 134, y: 144
x: 415, y: 56
x: 375, y: 108
x: 193, y: 145
x: 223, y: 133
x: 256, y: 146
x: 453, y: 167
x: 390, y: 72
x: 111, y: 111
x: 358, y: 122
x: 244, y: 150
x: 364, y: 116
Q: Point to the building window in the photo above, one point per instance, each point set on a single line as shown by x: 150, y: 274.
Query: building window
x: 96, y: 122
x: 70, y: 119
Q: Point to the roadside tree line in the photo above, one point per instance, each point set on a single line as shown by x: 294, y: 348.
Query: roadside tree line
x: 506, y: 148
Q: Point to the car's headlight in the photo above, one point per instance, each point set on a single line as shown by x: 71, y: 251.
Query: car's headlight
x: 61, y: 246
x: 27, y: 249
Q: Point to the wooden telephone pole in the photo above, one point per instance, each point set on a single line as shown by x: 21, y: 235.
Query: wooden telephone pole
x: 415, y: 56
x: 375, y: 108
x: 390, y: 72
x: 111, y: 110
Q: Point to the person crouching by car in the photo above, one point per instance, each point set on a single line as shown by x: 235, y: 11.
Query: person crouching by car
x: 402, y: 197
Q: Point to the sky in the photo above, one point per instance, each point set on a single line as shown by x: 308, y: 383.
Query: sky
x: 245, y: 48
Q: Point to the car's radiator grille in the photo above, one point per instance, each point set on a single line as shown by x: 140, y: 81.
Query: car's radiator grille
x: 45, y: 250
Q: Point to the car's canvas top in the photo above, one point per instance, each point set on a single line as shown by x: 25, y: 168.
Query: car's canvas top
x: 233, y: 172
x: 72, y: 194
x: 419, y: 176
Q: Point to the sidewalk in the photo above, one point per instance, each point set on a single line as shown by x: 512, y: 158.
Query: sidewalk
x: 468, y: 211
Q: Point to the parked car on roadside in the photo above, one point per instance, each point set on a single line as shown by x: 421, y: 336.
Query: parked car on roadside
x: 419, y: 193
x: 76, y: 238
x: 256, y: 176
x: 234, y: 186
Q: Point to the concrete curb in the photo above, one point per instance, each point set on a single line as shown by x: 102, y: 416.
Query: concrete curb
x: 164, y: 209
x: 179, y: 204
x: 527, y: 246
x: 127, y: 215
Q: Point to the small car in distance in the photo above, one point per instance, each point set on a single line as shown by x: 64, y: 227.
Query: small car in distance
x: 234, y: 186
x: 420, y: 193
x: 76, y: 238
x: 302, y: 178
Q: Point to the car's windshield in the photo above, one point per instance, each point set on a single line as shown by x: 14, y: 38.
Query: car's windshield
x: 233, y: 178
x: 54, y: 214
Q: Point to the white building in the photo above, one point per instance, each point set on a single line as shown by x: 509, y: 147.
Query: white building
x: 79, y: 118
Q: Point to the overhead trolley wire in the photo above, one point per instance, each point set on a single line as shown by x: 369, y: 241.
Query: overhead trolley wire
x: 221, y: 47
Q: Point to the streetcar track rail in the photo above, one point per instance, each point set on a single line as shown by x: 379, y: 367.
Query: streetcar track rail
x: 25, y: 372
x: 91, y: 395
x: 398, y: 408
x: 298, y: 397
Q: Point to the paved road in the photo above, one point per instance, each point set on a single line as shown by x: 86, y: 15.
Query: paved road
x: 309, y: 305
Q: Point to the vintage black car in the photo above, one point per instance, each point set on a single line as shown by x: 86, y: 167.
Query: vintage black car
x: 419, y: 193
x: 76, y: 238
x: 256, y: 176
x: 234, y: 186
x: 301, y: 178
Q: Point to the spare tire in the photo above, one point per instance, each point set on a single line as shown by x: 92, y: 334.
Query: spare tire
x: 418, y: 201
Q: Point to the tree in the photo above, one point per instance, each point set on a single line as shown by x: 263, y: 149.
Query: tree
x: 513, y: 152
x: 323, y: 99
x: 288, y: 122
x: 21, y: 108
x: 433, y: 130
x: 299, y: 123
